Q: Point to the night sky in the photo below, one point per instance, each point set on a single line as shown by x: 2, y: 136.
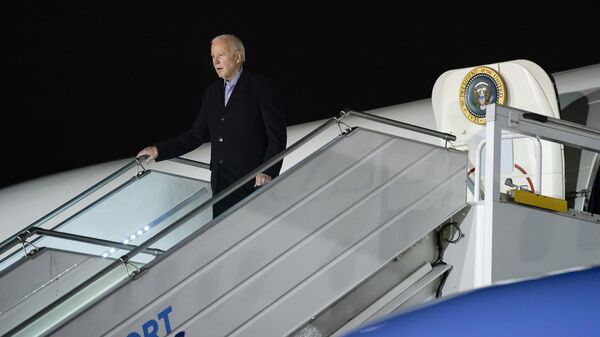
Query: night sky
x: 91, y: 82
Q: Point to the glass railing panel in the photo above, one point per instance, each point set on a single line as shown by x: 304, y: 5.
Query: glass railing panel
x: 131, y: 214
x: 63, y: 201
x: 146, y: 205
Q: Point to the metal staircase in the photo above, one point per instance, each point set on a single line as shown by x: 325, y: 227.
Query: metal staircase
x: 349, y: 234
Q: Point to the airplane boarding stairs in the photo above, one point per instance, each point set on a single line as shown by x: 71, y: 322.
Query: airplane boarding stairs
x: 347, y: 235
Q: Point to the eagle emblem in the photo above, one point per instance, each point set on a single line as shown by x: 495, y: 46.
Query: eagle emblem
x: 480, y: 87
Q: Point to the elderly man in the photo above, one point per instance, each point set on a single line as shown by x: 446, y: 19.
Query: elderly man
x: 241, y: 116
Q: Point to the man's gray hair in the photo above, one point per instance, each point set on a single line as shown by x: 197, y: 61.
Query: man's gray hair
x: 234, y: 42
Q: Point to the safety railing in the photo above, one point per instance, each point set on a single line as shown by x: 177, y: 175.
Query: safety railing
x: 22, y: 238
x: 35, y: 227
x: 501, y: 118
x: 13, y: 240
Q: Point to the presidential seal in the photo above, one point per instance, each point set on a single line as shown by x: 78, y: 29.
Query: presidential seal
x: 480, y: 87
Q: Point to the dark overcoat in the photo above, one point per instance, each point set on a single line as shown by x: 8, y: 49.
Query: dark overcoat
x: 244, y: 134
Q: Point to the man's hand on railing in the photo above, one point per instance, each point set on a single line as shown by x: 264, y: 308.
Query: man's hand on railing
x: 261, y: 179
x: 151, y: 152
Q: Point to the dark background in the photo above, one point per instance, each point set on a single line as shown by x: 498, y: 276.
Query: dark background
x: 89, y: 82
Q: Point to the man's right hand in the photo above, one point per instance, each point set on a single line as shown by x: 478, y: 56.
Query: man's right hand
x: 150, y: 151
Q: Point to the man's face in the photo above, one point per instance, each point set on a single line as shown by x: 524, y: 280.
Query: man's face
x: 226, y: 61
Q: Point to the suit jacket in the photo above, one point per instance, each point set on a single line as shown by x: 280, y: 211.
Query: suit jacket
x: 244, y: 134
